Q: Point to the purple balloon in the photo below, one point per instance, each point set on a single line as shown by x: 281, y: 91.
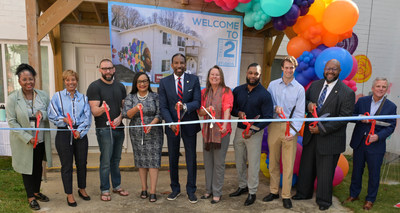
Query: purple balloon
x: 350, y: 44
x: 278, y: 23
x: 316, y: 52
x: 264, y: 144
x: 304, y: 10
x: 290, y: 22
x: 293, y: 13
x: 302, y: 65
x: 310, y: 2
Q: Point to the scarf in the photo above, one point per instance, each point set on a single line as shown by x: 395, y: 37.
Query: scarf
x: 212, y: 137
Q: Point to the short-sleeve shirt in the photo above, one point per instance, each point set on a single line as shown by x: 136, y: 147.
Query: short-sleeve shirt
x: 112, y: 94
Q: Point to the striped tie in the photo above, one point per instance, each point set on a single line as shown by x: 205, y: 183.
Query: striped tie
x: 322, y: 98
x: 180, y: 92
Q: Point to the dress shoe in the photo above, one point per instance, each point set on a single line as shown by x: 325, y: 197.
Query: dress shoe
x: 34, y: 205
x: 299, y: 197
x: 239, y: 192
x: 73, y: 204
x: 350, y: 199
x: 87, y: 198
x: 250, y: 199
x: 323, y: 208
x: 41, y: 197
x: 368, y: 205
x: 270, y: 197
x: 216, y: 201
x: 287, y: 203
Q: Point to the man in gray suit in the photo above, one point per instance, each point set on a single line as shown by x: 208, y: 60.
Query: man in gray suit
x: 322, y: 146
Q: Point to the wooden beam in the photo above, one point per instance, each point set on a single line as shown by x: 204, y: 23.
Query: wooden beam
x: 289, y: 32
x: 77, y: 15
x: 270, y: 50
x: 54, y: 15
x: 55, y: 40
x: 32, y: 14
x: 185, y: 2
x: 266, y: 71
x: 98, y: 13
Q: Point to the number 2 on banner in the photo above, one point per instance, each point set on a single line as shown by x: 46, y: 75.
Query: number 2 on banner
x: 227, y: 52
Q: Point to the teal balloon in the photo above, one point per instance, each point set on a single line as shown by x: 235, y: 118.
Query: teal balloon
x: 242, y: 8
x: 248, y: 19
x: 276, y: 8
x: 259, y: 25
x: 256, y: 7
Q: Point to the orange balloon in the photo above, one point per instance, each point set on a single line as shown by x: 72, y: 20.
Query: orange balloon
x: 317, y: 10
x: 364, y: 69
x: 330, y: 39
x: 340, y: 16
x: 297, y: 46
x: 304, y: 23
x: 343, y: 164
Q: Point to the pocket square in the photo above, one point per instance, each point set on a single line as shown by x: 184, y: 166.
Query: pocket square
x: 190, y: 90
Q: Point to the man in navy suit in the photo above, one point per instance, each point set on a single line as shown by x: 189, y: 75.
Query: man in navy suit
x: 371, y: 154
x: 322, y: 147
x: 181, y: 92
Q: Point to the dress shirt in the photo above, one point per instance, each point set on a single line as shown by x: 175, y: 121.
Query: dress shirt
x: 329, y: 89
x: 255, y: 102
x: 182, y: 81
x: 375, y: 106
x: 288, y: 96
x: 77, y: 107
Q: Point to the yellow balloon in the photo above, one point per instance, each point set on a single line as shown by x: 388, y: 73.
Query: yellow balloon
x: 317, y: 9
x: 264, y: 166
x: 327, y: 2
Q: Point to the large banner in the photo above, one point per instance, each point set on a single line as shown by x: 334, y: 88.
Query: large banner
x: 144, y: 38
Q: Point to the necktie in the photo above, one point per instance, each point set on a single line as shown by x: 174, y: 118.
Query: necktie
x: 180, y: 92
x: 322, y: 98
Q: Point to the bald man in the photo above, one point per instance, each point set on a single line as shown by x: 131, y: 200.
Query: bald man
x: 321, y: 149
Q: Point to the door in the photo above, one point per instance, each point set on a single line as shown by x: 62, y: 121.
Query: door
x: 88, y: 59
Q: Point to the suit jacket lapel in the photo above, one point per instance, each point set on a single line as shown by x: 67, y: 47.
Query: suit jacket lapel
x: 368, y: 105
x: 22, y: 106
x: 318, y: 88
x: 186, y: 85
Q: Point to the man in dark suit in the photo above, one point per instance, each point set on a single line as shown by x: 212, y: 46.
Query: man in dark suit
x: 321, y: 149
x: 371, y: 154
x: 181, y: 92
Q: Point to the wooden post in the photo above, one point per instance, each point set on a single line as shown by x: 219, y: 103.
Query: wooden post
x: 32, y: 14
x: 270, y: 50
x: 55, y: 40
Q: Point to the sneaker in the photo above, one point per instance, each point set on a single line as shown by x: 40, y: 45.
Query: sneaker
x: 192, y: 198
x: 173, y: 195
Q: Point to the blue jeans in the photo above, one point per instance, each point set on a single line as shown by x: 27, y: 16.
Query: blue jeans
x: 110, y: 157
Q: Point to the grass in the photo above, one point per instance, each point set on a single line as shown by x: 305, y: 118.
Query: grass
x: 12, y: 191
x: 388, y: 195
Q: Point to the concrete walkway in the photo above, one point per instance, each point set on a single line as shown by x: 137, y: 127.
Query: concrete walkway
x: 133, y: 203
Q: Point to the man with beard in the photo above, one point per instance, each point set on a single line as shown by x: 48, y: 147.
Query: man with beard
x: 102, y: 93
x: 322, y: 145
x: 251, y: 100
x: 181, y: 91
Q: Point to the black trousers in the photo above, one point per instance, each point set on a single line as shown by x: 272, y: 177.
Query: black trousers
x: 66, y: 152
x: 32, y: 182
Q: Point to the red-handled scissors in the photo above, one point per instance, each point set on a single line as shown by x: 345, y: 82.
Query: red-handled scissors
x: 315, y: 123
x: 108, y: 115
x: 38, y: 117
x: 371, y: 131
x: 178, y: 112
x: 141, y: 118
x: 282, y: 115
x: 248, y: 125
x: 70, y: 124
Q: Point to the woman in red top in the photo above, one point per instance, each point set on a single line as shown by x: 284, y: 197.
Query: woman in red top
x: 216, y: 98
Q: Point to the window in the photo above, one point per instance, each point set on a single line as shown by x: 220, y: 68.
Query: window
x: 166, y: 38
x: 181, y: 41
x: 1, y: 79
x: 166, y: 64
x: 15, y: 54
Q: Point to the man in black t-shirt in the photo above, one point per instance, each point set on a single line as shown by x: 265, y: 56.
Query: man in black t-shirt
x: 106, y: 94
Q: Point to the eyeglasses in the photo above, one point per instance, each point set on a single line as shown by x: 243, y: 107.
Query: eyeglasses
x: 107, y: 68
x: 331, y: 69
x: 143, y: 82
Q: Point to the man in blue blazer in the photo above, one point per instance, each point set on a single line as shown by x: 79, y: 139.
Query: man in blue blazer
x: 371, y: 154
x: 181, y: 91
